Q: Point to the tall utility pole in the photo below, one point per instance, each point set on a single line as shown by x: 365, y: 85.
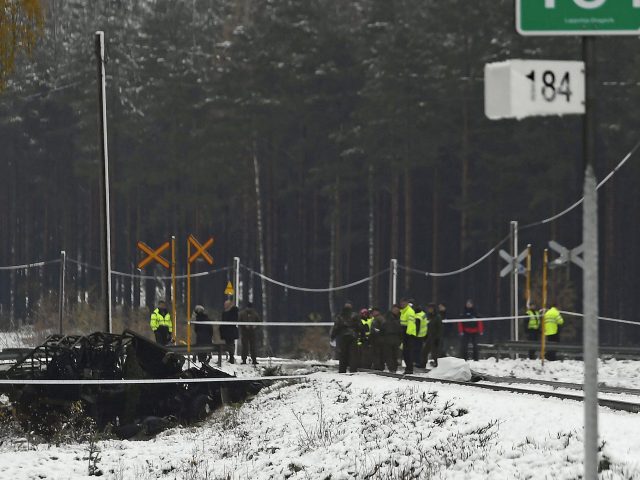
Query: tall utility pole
x: 590, y: 277
x: 105, y: 243
x: 514, y: 281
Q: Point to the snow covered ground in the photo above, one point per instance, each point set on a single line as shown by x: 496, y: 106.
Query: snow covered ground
x: 335, y: 426
x: 612, y: 373
x: 25, y: 337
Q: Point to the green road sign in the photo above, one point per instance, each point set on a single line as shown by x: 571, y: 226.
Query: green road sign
x: 578, y: 17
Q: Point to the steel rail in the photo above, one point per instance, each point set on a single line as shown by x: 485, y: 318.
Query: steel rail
x: 603, y: 402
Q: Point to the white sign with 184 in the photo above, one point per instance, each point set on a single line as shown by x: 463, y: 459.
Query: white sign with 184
x: 528, y: 88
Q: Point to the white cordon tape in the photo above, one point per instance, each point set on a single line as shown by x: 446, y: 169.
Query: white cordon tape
x: 487, y: 319
x: 267, y: 324
x: 149, y: 277
x: 168, y: 277
x: 30, y: 265
x: 607, y: 319
x: 145, y: 381
x: 330, y: 324
x: 314, y: 290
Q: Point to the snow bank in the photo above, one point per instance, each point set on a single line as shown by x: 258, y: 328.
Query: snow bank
x: 350, y: 426
x: 612, y: 373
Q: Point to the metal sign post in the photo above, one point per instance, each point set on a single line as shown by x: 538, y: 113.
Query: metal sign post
x: 528, y: 284
x: 393, y: 282
x: 545, y: 267
x: 514, y: 280
x: 105, y: 244
x: 514, y: 267
x: 173, y: 289
x: 63, y: 261
x: 590, y: 305
x: 200, y: 251
x: 236, y: 279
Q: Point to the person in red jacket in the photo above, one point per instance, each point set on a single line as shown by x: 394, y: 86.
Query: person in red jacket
x: 469, y: 331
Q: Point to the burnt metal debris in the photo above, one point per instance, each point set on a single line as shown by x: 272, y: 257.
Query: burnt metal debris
x: 126, y: 409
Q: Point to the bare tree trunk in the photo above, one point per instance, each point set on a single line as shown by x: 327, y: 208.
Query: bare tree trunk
x: 334, y: 254
x: 332, y: 260
x: 347, y: 247
x: 408, y: 230
x: 435, y: 228
x: 260, y: 242
x: 464, y: 186
x: 371, y: 235
x: 394, y: 215
x: 609, y: 264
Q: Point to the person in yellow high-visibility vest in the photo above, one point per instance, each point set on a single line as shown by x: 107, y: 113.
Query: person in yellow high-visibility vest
x: 421, y: 336
x: 533, y: 327
x: 408, y: 322
x: 552, y: 320
x: 364, y: 343
x: 161, y: 324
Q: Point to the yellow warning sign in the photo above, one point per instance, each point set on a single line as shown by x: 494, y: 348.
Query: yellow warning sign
x: 229, y: 290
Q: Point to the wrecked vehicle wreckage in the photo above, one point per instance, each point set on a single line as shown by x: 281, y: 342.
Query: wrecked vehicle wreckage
x: 125, y: 409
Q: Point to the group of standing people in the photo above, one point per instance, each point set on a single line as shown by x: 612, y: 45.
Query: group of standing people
x: 373, y: 339
x: 162, y: 327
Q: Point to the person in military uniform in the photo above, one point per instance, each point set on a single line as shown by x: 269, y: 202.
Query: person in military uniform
x: 204, y: 333
x: 229, y: 331
x: 346, y: 330
x: 161, y: 324
x: 386, y: 336
x: 433, y: 344
x: 248, y: 333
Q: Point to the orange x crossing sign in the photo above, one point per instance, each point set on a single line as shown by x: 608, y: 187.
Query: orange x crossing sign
x: 201, y: 250
x: 153, y: 254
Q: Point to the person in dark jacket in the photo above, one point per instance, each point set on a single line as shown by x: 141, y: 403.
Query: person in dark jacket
x: 470, y: 330
x: 229, y: 333
x: 389, y: 333
x: 346, y: 330
x: 204, y: 333
x: 433, y: 343
x: 248, y: 333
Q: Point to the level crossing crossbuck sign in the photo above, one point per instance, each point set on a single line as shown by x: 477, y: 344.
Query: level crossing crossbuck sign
x: 200, y: 250
x: 578, y: 17
x: 513, y: 262
x: 153, y: 254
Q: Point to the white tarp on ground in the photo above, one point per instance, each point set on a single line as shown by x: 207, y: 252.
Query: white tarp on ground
x: 451, y: 368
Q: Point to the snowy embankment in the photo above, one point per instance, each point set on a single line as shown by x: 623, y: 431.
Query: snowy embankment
x: 350, y: 426
x: 612, y: 373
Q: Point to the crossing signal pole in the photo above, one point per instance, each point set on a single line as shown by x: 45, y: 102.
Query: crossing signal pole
x: 105, y: 243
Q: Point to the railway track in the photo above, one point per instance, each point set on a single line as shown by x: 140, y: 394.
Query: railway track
x: 603, y: 402
x: 570, y: 386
